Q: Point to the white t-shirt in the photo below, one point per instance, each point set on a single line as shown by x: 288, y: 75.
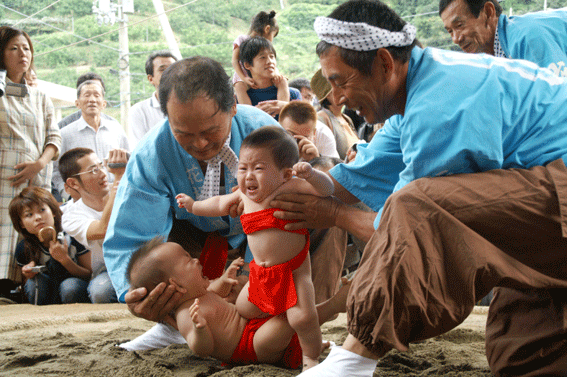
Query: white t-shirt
x: 325, y: 140
x: 143, y: 116
x: 76, y: 221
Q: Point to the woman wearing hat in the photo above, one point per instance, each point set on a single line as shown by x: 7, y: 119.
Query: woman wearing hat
x: 332, y: 115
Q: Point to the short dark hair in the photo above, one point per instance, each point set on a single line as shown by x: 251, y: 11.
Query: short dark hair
x: 89, y: 76
x: 6, y: 34
x: 157, y: 54
x: 261, y: 20
x: 194, y: 77
x: 371, y: 12
x: 251, y: 47
x: 276, y: 139
x: 300, y: 112
x: 88, y: 82
x: 325, y: 162
x: 300, y: 83
x: 149, y: 277
x: 475, y: 6
x: 68, y: 165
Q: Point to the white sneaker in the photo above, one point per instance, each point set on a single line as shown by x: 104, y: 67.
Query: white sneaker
x: 159, y: 336
x: 340, y: 363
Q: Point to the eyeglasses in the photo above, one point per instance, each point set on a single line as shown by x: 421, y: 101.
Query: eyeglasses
x: 93, y: 171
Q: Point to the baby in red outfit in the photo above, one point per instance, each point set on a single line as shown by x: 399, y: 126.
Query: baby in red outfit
x: 211, y: 325
x: 280, y: 274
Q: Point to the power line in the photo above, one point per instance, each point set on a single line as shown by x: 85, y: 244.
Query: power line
x: 117, y: 29
x: 186, y: 47
x: 56, y: 28
x: 39, y: 11
x: 421, y: 14
x: 146, y: 19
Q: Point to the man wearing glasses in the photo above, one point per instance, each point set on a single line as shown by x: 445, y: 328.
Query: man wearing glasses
x: 87, y: 218
x: 91, y: 130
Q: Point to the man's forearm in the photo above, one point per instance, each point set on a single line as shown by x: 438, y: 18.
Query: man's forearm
x: 355, y: 221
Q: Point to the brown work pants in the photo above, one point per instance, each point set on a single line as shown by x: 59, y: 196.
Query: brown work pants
x: 444, y: 243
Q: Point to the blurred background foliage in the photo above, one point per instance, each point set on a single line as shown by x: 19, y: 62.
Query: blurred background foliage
x: 201, y: 27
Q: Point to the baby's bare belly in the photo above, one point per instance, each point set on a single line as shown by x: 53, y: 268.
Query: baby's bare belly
x: 273, y: 246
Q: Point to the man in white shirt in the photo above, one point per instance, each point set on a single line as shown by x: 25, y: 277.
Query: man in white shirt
x: 147, y: 113
x: 91, y: 130
x: 314, y: 139
x: 77, y: 114
x: 86, y: 219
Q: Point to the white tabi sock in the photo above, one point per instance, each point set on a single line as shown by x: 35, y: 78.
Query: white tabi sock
x: 159, y: 336
x: 341, y: 363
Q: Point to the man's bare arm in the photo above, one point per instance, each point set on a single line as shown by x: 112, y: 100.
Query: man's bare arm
x: 317, y: 213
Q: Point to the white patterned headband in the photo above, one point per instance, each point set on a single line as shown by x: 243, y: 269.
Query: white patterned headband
x: 360, y: 36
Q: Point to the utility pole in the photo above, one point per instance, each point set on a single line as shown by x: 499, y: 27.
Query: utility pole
x: 105, y: 13
x: 164, y: 21
x: 123, y: 67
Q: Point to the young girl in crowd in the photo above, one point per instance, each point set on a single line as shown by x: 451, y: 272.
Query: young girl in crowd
x: 263, y: 25
x: 67, y: 263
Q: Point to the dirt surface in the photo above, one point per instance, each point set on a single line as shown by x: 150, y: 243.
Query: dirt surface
x: 80, y: 340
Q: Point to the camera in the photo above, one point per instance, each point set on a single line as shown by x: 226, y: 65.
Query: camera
x: 2, y: 82
x: 38, y: 269
x: 11, y: 89
x: 117, y: 165
x: 61, y: 237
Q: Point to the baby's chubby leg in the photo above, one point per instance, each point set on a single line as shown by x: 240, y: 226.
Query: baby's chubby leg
x: 303, y: 317
x: 272, y: 339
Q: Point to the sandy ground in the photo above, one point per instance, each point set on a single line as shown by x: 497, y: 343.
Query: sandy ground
x: 79, y: 340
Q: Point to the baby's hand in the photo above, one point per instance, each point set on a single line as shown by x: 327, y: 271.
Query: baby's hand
x: 185, y: 201
x: 229, y: 275
x: 303, y: 170
x: 250, y: 82
x: 198, y: 320
x: 277, y: 79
